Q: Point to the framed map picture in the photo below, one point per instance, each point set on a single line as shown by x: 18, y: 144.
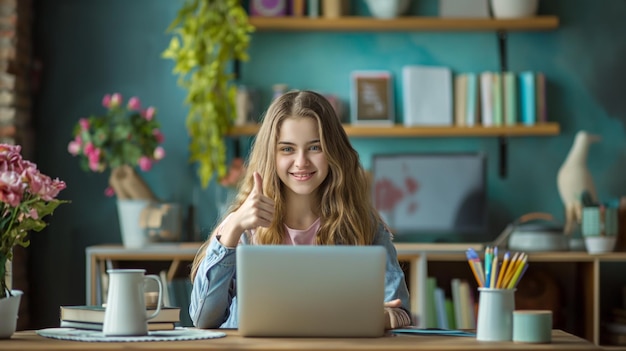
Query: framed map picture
x: 372, y: 98
x: 443, y: 194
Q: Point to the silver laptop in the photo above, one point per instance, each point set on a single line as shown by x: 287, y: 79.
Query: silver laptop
x: 311, y: 291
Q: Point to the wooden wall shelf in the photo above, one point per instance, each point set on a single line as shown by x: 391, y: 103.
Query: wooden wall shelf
x: 398, y: 130
x: 411, y: 23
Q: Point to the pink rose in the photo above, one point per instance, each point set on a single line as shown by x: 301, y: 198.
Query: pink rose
x: 116, y: 100
x: 11, y: 188
x: 109, y: 192
x: 134, y: 104
x: 106, y: 101
x: 73, y: 147
x: 94, y: 160
x: 149, y: 113
x: 159, y: 153
x: 145, y: 164
x: 84, y: 123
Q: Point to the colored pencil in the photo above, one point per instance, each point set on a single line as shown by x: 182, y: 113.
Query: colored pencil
x: 505, y: 263
x: 475, y: 265
x: 494, y: 271
x: 517, y: 273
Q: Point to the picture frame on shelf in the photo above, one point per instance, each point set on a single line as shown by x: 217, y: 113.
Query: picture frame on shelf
x: 372, y: 98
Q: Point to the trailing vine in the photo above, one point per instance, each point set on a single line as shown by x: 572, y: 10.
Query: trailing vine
x: 209, y: 35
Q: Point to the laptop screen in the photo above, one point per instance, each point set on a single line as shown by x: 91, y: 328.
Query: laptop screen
x: 309, y: 290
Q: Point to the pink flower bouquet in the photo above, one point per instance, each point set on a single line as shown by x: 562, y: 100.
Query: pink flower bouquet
x: 26, y: 197
x: 126, y: 136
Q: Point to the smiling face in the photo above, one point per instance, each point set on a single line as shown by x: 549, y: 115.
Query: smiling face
x: 300, y: 161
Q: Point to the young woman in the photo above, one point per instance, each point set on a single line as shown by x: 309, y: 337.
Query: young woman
x: 304, y: 185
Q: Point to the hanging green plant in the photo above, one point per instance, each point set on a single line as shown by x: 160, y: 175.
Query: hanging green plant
x: 209, y: 36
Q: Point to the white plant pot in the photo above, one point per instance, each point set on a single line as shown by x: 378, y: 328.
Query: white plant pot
x: 387, y: 8
x: 8, y: 313
x: 514, y: 8
x: 128, y: 212
x: 600, y: 244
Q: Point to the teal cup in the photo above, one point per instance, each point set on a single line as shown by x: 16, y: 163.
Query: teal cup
x: 532, y: 326
x: 599, y: 221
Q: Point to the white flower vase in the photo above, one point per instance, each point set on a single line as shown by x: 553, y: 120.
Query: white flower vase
x: 9, y: 308
x: 514, y: 8
x: 128, y: 212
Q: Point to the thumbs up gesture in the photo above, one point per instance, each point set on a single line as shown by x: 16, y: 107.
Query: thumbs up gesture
x: 257, y: 210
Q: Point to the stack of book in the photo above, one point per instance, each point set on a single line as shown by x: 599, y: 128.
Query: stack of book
x: 92, y: 317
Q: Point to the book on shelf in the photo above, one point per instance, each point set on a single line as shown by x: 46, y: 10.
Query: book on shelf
x: 527, y: 97
x: 427, y: 93
x: 509, y: 98
x: 472, y: 101
x: 460, y: 99
x: 540, y: 97
x: 98, y: 326
x: 486, y: 98
x: 95, y: 314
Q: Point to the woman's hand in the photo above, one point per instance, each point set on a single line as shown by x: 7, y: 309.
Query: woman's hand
x: 256, y: 211
x: 393, y: 303
x: 395, y: 316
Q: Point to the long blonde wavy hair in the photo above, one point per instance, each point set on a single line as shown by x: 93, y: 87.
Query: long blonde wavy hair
x: 347, y: 216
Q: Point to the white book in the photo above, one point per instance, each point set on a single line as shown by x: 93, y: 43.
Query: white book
x: 427, y: 95
x: 486, y: 98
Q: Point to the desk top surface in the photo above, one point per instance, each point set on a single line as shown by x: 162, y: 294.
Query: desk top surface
x: 30, y: 341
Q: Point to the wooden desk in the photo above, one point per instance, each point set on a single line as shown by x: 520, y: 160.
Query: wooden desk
x: 30, y: 341
x: 589, y: 270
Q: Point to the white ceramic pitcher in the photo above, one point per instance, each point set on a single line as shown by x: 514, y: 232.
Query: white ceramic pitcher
x: 125, y: 313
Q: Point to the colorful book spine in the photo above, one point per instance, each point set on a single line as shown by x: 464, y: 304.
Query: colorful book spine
x: 497, y: 99
x: 298, y: 8
x: 440, y: 306
x: 472, y: 100
x: 527, y: 95
x: 509, y: 87
x: 455, y: 288
x: 540, y: 97
x: 431, y: 309
x: 460, y: 99
x: 313, y: 8
x: 486, y: 98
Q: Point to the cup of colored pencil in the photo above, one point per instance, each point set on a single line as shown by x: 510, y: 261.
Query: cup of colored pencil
x: 495, y: 272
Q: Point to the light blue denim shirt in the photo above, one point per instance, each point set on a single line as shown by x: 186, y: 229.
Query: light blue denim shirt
x: 214, y: 296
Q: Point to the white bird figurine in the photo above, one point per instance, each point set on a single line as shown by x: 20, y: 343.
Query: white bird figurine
x: 574, y: 179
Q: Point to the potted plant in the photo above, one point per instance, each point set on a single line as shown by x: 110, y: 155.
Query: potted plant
x: 210, y: 36
x: 126, y: 136
x: 27, y: 196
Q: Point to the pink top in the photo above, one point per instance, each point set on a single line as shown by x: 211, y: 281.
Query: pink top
x: 304, y: 236
x: 294, y: 236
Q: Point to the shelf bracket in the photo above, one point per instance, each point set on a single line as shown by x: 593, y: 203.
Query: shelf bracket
x: 503, y: 146
x: 502, y: 140
x: 502, y: 50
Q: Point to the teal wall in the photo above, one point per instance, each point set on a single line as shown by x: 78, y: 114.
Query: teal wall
x: 89, y: 48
